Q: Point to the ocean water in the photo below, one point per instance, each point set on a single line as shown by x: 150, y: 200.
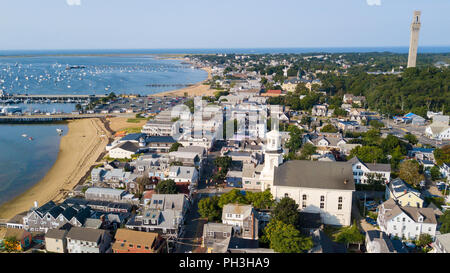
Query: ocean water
x: 24, y: 162
x: 44, y: 74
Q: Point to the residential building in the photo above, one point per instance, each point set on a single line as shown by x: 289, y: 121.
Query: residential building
x: 105, y: 194
x: 216, y: 237
x: 55, y: 240
x: 441, y: 243
x: 243, y: 219
x: 124, y: 150
x: 403, y: 194
x: 131, y: 241
x: 378, y: 242
x: 88, y: 240
x: 183, y: 174
x: 51, y: 216
x: 406, y: 222
x: 362, y: 172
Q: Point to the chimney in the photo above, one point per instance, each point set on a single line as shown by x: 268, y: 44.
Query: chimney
x: 381, y: 234
x: 35, y: 204
x: 345, y: 181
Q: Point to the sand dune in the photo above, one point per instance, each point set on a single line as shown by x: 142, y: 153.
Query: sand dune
x: 79, y: 150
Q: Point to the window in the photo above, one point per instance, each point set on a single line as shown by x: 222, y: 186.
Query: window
x: 304, y: 197
x: 322, y: 198
x: 403, y: 219
x: 429, y: 229
x: 395, y: 227
x: 286, y: 195
x: 340, y: 199
x: 322, y: 205
x: 304, y: 204
x: 339, y: 206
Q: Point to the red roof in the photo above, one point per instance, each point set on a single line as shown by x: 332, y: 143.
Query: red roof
x: 148, y: 194
x: 273, y: 91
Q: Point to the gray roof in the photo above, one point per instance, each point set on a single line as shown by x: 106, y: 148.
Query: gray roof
x: 85, y: 234
x: 245, y: 210
x: 56, y: 233
x: 92, y: 223
x: 428, y: 213
x: 444, y: 239
x: 382, y: 239
x: 128, y: 146
x: 315, y: 174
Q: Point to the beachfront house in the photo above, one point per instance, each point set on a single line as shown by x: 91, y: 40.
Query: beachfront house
x: 51, y: 216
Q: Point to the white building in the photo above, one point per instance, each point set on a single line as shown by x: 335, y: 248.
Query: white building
x: 183, y: 174
x: 124, y: 150
x: 362, y: 171
x: 406, y: 222
x: 243, y: 219
x: 87, y: 240
x: 325, y: 188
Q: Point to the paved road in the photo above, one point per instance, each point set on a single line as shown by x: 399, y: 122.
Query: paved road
x: 190, y: 241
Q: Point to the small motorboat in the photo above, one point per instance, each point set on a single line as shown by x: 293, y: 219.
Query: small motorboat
x: 59, y: 131
x: 30, y: 138
x: 24, y: 135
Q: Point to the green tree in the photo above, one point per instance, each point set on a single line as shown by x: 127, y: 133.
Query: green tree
x: 233, y: 196
x: 260, y: 200
x: 307, y: 150
x: 329, y: 128
x: 442, y: 155
x: 175, y: 147
x: 285, y: 238
x: 166, y: 187
x: 376, y: 124
x: 142, y: 182
x: 424, y: 240
x: 223, y: 162
x: 435, y: 173
x: 411, y: 138
x: 368, y: 154
x: 78, y: 107
x: 445, y: 222
x: 286, y: 211
x: 409, y: 172
x: 209, y: 208
x: 350, y: 235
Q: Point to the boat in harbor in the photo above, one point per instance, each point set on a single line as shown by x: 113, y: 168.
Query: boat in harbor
x: 24, y: 135
x: 60, y: 131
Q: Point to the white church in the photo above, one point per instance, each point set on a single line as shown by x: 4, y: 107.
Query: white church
x: 319, y: 187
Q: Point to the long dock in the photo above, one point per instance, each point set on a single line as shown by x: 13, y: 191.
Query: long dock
x: 47, y: 118
x: 55, y: 97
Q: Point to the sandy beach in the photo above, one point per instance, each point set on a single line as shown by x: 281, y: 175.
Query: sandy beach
x: 79, y: 150
x: 198, y: 89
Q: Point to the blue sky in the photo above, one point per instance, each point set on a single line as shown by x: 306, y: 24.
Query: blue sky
x: 114, y: 24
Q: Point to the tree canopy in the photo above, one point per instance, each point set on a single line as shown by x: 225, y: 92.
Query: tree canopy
x: 166, y: 187
x: 285, y: 238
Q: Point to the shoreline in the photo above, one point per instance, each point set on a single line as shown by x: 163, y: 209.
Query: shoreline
x: 198, y: 89
x: 79, y: 150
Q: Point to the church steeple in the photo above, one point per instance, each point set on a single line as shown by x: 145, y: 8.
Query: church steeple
x: 273, y: 157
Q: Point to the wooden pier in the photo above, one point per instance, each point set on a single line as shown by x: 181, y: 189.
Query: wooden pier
x: 47, y: 118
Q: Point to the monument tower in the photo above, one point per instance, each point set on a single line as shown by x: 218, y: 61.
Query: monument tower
x: 415, y: 27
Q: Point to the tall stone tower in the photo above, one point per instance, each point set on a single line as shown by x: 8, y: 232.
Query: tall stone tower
x: 415, y: 27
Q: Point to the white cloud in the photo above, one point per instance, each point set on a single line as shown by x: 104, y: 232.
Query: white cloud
x: 73, y: 2
x: 373, y: 2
